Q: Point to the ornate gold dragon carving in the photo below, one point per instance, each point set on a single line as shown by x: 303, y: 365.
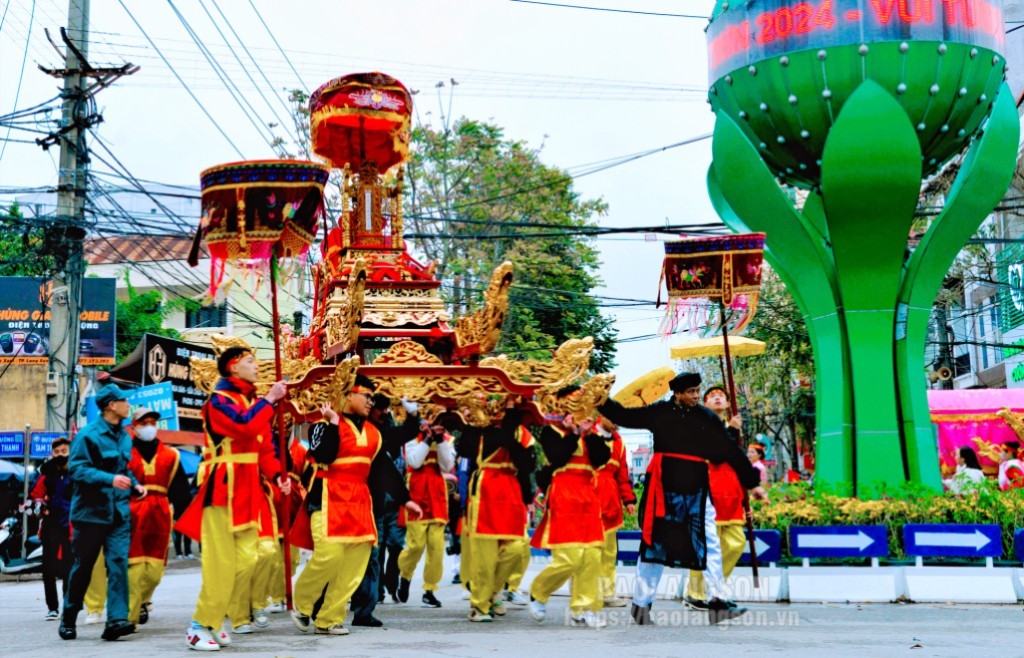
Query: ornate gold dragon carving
x: 1015, y: 421
x: 206, y: 376
x: 572, y: 358
x: 484, y: 326
x: 592, y: 395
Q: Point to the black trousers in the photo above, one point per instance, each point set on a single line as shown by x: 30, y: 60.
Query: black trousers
x: 56, y: 560
x: 182, y: 541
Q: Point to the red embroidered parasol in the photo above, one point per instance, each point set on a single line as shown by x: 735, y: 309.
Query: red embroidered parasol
x: 254, y: 211
x: 361, y: 117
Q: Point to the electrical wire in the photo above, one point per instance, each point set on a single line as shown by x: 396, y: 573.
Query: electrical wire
x: 607, y: 9
x: 202, y: 107
x: 240, y: 99
x: 279, y: 48
x: 21, y: 76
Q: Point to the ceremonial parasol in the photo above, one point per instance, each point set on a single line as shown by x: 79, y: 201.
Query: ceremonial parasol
x: 715, y: 346
x: 255, y: 213
x: 739, y: 346
x: 361, y: 117
x: 646, y: 389
x: 725, y: 269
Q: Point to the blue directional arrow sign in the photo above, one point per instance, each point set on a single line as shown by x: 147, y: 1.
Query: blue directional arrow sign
x: 1018, y: 545
x: 629, y: 545
x: 767, y: 543
x: 952, y: 540
x: 839, y: 541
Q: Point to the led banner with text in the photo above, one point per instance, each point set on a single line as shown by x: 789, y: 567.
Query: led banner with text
x: 25, y: 307
x: 753, y: 30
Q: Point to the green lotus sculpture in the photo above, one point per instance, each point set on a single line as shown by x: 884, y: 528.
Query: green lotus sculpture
x: 855, y: 102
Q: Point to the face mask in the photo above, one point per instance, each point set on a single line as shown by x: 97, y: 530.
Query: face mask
x: 147, y: 433
x: 60, y: 462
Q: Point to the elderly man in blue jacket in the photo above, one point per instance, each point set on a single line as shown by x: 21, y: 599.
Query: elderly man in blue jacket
x: 100, y: 516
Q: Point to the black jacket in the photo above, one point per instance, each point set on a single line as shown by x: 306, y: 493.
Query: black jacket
x: 501, y: 436
x: 558, y: 449
x: 695, y: 431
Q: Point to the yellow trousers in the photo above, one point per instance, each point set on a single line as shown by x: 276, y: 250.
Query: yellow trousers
x: 491, y: 563
x: 583, y: 565
x: 143, y: 577
x: 268, y: 567
x: 516, y: 577
x: 609, y: 555
x: 336, y: 566
x: 733, y: 539
x: 96, y: 595
x: 228, y: 561
x: 420, y: 536
x: 277, y: 590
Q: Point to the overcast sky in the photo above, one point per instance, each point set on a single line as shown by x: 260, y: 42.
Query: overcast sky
x: 589, y: 85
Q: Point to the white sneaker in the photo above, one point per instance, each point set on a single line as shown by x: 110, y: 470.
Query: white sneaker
x: 538, y: 610
x: 94, y: 618
x: 244, y: 629
x: 476, y: 615
x: 589, y: 619
x: 260, y: 618
x: 301, y: 621
x: 274, y: 608
x: 200, y: 639
x: 337, y: 629
x: 515, y: 598
x: 615, y: 602
x: 222, y: 637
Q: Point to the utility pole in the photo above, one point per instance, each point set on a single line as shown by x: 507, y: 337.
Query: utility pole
x: 69, y: 224
x: 67, y: 233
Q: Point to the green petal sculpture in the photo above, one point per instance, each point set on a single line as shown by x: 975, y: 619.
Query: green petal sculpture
x: 855, y: 101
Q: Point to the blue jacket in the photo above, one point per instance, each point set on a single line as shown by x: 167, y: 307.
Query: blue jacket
x: 98, y: 453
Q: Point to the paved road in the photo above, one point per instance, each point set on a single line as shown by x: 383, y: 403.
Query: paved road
x: 771, y: 629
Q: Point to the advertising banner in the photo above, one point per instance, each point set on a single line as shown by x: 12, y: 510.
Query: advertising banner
x: 25, y: 305
x: 159, y: 360
x: 159, y: 398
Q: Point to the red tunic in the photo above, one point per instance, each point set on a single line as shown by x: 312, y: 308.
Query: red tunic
x: 572, y: 518
x: 298, y: 456
x: 727, y: 494
x: 496, y: 508
x: 345, y: 501
x: 614, y: 488
x: 229, y: 474
x: 427, y: 488
x: 151, y: 516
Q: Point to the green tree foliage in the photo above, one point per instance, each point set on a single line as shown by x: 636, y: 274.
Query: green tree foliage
x: 143, y: 313
x: 472, y: 199
x: 23, y: 246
